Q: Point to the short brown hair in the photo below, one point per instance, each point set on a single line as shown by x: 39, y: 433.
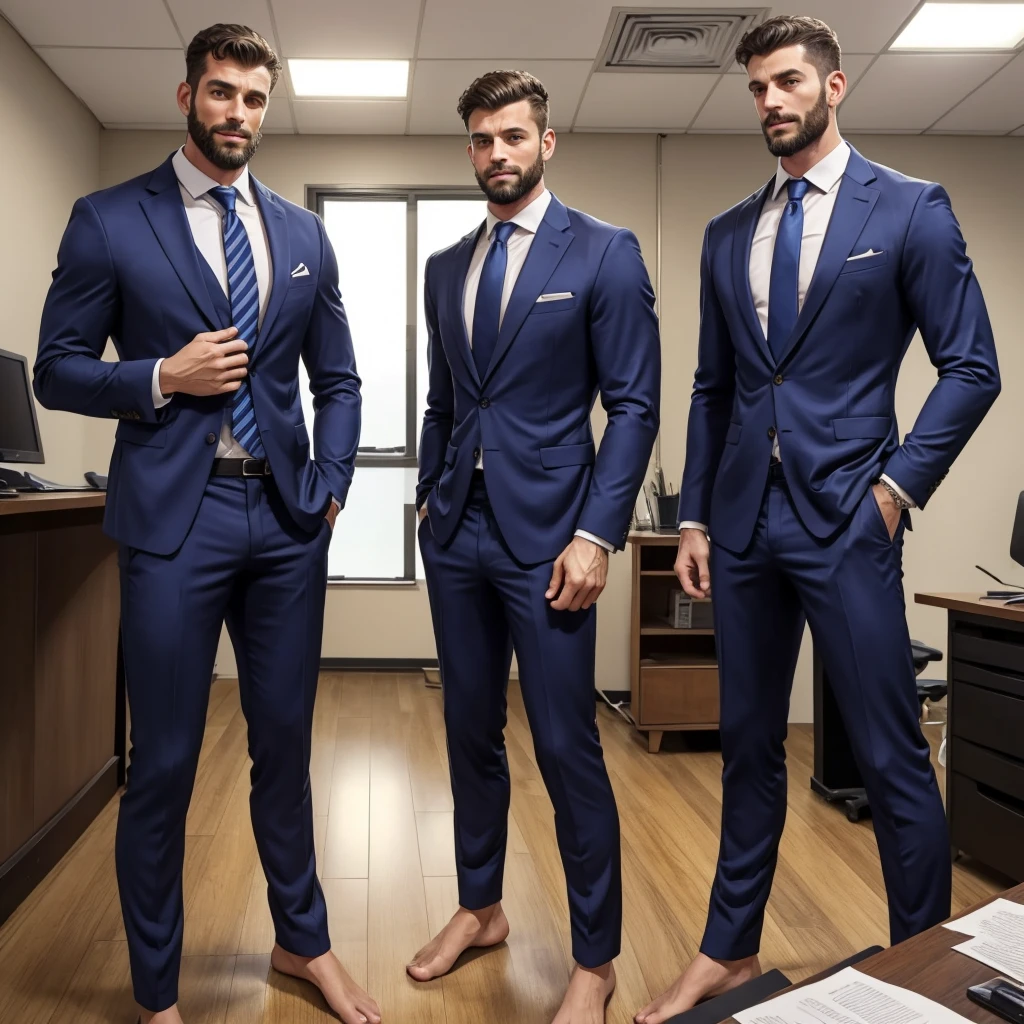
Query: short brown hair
x: 819, y: 42
x: 230, y: 42
x: 498, y: 89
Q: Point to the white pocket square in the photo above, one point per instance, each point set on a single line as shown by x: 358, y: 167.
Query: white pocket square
x: 864, y: 255
x: 555, y: 296
x: 301, y: 271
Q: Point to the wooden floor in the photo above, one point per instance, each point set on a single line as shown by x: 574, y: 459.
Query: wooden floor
x: 384, y: 842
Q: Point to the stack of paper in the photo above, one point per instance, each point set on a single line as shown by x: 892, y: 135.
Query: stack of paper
x: 998, y: 937
x: 850, y: 997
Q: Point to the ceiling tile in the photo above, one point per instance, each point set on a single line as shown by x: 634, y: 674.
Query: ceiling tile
x: 326, y: 28
x: 866, y: 26
x: 638, y: 101
x: 731, y: 108
x: 350, y: 117
x: 96, y: 23
x: 98, y: 78
x: 279, y: 114
x: 998, y: 106
x: 192, y: 16
x: 910, y: 91
x: 438, y: 84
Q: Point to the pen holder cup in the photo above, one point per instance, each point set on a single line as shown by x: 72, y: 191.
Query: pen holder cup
x: 668, y: 509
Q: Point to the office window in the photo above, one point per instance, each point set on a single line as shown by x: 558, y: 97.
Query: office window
x: 382, y: 239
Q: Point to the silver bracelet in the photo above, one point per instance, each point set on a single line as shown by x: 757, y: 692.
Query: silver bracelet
x: 898, y: 499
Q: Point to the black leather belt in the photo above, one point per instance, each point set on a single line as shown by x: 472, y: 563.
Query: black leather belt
x: 240, y: 467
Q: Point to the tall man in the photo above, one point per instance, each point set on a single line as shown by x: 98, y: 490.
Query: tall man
x: 212, y: 288
x: 812, y: 289
x: 529, y: 318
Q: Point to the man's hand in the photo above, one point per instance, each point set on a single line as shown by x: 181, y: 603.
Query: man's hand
x: 580, y: 574
x: 332, y: 515
x: 692, y: 563
x: 210, y: 364
x: 423, y: 512
x: 891, y: 512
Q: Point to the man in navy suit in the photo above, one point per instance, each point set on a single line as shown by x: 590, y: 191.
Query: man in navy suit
x: 529, y: 319
x: 212, y: 289
x: 811, y: 292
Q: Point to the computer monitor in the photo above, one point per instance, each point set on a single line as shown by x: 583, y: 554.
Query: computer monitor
x: 19, y: 428
x: 1017, y: 538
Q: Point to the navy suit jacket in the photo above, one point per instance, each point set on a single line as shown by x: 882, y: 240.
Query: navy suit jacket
x: 129, y: 269
x: 530, y: 413
x: 831, y: 396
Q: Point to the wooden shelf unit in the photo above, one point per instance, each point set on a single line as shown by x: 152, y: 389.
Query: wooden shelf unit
x: 673, y: 672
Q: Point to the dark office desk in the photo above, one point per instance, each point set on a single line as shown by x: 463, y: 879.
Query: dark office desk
x: 61, y: 708
x: 985, y: 731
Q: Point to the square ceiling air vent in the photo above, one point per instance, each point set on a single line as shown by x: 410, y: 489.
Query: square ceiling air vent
x: 675, y: 39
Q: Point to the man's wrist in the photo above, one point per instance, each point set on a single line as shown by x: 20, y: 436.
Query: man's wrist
x: 690, y: 524
x: 599, y: 541
x: 165, y: 384
x: 900, y: 500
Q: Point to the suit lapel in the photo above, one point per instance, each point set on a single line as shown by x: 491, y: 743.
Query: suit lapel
x: 165, y: 212
x: 853, y: 207
x: 276, y: 223
x: 549, y: 246
x: 455, y: 294
x: 742, y: 242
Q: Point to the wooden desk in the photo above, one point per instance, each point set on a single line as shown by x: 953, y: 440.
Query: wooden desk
x: 985, y: 735
x: 61, y: 710
x: 926, y: 964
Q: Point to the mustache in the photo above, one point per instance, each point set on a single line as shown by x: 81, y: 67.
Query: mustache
x: 235, y: 129
x: 496, y: 169
x: 773, y: 119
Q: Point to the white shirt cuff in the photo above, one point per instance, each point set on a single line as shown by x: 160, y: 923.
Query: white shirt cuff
x: 159, y: 398
x: 899, y: 490
x: 595, y: 540
x: 690, y: 525
x: 336, y: 503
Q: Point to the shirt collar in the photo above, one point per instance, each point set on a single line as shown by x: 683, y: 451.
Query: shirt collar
x: 529, y: 218
x: 823, y: 175
x: 197, y: 184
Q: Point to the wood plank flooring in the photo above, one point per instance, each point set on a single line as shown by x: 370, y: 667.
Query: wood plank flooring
x: 383, y: 816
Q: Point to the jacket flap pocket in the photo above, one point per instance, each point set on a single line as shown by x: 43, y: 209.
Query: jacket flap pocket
x: 732, y: 435
x: 153, y: 435
x: 554, y: 305
x: 853, y: 427
x: 301, y: 434
x: 449, y: 455
x: 567, y: 455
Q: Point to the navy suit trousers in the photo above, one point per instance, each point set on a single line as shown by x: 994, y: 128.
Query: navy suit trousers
x: 244, y: 561
x: 849, y: 589
x: 484, y: 603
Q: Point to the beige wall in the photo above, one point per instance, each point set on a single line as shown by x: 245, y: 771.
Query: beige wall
x: 614, y: 177
x: 51, y: 158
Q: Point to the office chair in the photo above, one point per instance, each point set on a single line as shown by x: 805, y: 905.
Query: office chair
x: 933, y: 690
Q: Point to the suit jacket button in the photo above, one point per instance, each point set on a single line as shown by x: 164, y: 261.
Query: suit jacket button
x: 778, y: 378
x: 484, y: 403
x: 771, y: 433
x: 476, y: 454
x: 211, y: 438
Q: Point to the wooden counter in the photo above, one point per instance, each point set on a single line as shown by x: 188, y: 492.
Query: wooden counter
x: 61, y: 724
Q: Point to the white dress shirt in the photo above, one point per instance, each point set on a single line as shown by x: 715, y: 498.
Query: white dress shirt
x: 527, y: 222
x: 824, y: 178
x: 205, y: 218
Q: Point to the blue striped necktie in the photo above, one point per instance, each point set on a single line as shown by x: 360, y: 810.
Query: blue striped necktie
x: 244, y: 294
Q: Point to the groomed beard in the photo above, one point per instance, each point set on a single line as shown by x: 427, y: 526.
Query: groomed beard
x: 506, y: 193
x: 812, y: 127
x: 227, y: 159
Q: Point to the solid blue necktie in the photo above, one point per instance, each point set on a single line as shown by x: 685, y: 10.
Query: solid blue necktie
x: 784, y: 289
x: 487, y: 312
x: 244, y: 294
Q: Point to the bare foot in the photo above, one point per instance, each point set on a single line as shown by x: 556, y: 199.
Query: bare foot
x: 587, y: 997
x: 703, y: 979
x: 170, y: 1016
x: 343, y: 995
x: 466, y: 930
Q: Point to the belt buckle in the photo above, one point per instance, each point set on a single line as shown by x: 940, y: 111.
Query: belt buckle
x: 261, y: 463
